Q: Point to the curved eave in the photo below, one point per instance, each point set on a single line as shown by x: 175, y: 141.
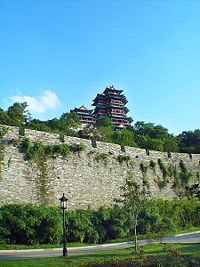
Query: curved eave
x: 85, y: 116
x: 82, y: 111
x: 116, y: 95
x: 130, y: 119
x: 99, y: 96
x: 122, y: 118
x: 102, y: 106
x: 96, y: 103
x: 124, y: 101
x: 112, y: 90
x: 119, y: 107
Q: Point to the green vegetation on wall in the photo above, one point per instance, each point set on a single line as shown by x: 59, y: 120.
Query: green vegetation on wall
x: 123, y: 158
x: 152, y: 165
x: 143, y: 169
x: 38, y: 153
x: 102, y: 157
x: 62, y: 137
x: 42, y: 178
x: 145, y: 181
x: 77, y: 148
x: 184, y: 174
x: 38, y: 149
x: 162, y: 182
x: 181, y: 177
x: 176, y: 176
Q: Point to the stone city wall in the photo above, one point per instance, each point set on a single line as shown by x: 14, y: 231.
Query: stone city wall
x: 92, y: 177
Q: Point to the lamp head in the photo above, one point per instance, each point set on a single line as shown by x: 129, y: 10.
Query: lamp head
x: 63, y: 202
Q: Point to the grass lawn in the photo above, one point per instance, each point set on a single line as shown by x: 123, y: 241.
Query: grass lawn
x: 151, y: 250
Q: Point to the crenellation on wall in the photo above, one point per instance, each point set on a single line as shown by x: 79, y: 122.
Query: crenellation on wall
x: 92, y: 177
x: 158, y: 154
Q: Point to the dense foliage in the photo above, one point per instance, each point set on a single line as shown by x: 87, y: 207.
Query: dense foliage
x: 143, y: 135
x: 31, y: 224
x: 190, y: 141
x: 39, y: 150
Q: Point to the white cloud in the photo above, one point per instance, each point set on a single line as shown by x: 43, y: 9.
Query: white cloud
x: 39, y: 104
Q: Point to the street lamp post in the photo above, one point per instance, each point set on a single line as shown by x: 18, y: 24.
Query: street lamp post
x: 63, y: 205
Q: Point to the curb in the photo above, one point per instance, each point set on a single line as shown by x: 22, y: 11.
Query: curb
x: 192, y: 233
x: 10, y: 251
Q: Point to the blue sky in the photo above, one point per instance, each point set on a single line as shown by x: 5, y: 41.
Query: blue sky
x: 58, y: 54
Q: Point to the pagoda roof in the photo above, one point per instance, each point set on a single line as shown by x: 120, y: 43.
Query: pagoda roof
x: 118, y: 107
x: 108, y: 98
x: 101, y: 96
x: 109, y: 107
x: 122, y: 118
x: 125, y: 109
x: 82, y: 109
x: 115, y: 96
x: 122, y: 99
x: 112, y: 89
x: 86, y: 115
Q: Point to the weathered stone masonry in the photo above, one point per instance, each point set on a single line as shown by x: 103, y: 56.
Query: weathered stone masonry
x: 92, y: 177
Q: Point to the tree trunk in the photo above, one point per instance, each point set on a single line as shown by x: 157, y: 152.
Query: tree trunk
x: 135, y: 234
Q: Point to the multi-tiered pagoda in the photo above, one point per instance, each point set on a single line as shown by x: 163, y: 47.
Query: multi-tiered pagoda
x: 111, y: 103
x: 86, y: 115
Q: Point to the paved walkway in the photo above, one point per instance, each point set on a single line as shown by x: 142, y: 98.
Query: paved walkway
x: 193, y: 237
